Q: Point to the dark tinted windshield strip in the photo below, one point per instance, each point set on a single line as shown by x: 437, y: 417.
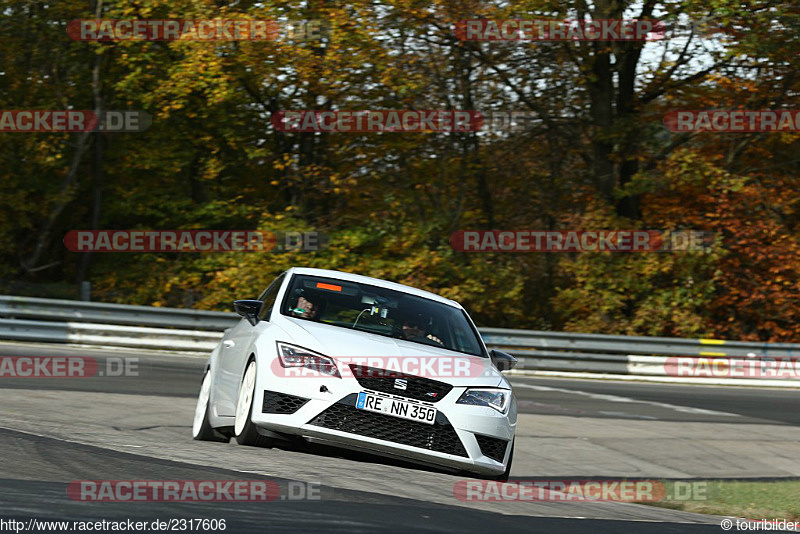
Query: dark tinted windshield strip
x: 382, y: 311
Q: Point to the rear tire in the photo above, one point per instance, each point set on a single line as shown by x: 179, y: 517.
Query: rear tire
x: 201, y: 427
x: 245, y: 431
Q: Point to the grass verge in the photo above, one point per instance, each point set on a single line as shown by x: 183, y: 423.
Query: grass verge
x: 752, y: 500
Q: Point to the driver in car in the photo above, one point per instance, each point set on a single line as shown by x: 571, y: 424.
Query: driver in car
x: 305, y: 309
x: 413, y: 330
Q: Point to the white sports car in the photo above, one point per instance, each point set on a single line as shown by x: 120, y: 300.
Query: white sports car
x: 363, y: 364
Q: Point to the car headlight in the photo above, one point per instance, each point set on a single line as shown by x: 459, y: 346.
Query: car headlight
x: 494, y: 398
x: 294, y: 356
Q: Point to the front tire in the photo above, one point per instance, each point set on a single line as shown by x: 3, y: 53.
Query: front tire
x: 201, y: 427
x: 245, y: 431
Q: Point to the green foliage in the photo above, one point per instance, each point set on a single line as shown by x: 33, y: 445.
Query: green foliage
x: 595, y: 157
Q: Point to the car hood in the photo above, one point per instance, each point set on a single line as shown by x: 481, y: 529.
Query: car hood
x: 362, y: 348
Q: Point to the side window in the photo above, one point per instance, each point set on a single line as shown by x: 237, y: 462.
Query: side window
x: 268, y: 298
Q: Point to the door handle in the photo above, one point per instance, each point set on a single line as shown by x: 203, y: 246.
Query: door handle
x: 228, y: 343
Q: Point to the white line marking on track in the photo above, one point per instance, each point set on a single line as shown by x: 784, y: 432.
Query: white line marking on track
x: 615, y: 398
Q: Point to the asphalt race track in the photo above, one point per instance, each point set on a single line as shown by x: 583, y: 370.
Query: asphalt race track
x: 54, y: 431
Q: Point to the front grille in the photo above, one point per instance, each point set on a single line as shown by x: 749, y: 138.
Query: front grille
x: 345, y: 417
x: 281, y: 403
x: 417, y: 387
x: 494, y: 448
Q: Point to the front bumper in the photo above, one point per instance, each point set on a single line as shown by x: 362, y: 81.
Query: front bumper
x: 472, y: 438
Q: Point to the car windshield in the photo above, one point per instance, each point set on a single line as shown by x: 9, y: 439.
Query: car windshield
x: 380, y: 311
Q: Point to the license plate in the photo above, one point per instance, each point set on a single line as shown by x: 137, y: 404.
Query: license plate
x: 397, y: 408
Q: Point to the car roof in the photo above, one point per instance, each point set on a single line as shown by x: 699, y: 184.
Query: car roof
x: 349, y: 277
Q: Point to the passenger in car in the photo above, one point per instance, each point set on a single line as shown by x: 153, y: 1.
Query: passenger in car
x: 413, y: 330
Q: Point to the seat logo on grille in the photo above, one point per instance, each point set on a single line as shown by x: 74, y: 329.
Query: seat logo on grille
x: 400, y: 383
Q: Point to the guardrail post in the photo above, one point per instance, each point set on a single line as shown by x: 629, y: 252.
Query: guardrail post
x: 86, y: 290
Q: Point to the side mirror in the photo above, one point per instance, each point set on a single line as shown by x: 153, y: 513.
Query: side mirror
x: 249, y: 309
x: 502, y: 360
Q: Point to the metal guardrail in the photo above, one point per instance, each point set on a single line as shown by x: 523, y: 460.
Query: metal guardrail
x: 105, y: 335
x: 118, y: 314
x: 111, y: 325
x: 539, y: 352
x: 639, y: 357
x: 525, y: 340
